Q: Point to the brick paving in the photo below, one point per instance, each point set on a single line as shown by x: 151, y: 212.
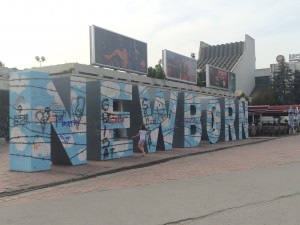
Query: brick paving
x: 240, y: 155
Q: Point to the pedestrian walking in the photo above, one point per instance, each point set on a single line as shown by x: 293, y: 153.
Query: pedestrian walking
x: 142, y: 133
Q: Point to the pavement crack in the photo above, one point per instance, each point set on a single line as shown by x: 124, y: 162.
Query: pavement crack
x: 194, y: 219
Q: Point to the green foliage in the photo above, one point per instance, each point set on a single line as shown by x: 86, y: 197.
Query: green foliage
x: 160, y: 74
x: 283, y: 85
x: 201, y: 79
x: 156, y: 72
x: 263, y: 97
x: 151, y: 72
x: 70, y: 70
x: 243, y: 95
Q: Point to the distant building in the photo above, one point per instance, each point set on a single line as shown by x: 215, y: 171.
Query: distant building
x: 294, y: 57
x: 263, y: 77
x: 293, y: 65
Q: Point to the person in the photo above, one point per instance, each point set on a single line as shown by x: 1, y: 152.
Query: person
x: 142, y: 133
x: 120, y: 53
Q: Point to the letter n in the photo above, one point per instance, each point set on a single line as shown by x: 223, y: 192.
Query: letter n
x: 31, y: 118
x: 230, y: 115
x: 243, y: 118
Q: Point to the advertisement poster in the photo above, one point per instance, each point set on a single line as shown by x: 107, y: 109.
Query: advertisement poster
x: 216, y: 77
x: 179, y: 67
x: 116, y: 51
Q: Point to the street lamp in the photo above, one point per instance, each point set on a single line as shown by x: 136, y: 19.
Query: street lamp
x: 40, y: 60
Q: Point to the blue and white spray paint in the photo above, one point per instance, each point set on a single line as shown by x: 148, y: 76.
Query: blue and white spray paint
x: 229, y: 119
x: 35, y: 106
x: 243, y: 118
x: 192, y: 120
x: 213, y: 120
x: 157, y: 117
x: 110, y: 120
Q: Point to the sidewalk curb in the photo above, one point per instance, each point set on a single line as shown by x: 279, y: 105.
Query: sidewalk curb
x: 125, y: 168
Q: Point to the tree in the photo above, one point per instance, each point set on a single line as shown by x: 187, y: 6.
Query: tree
x: 160, y: 74
x: 242, y: 95
x: 283, y: 84
x: 151, y: 72
x: 156, y: 72
x: 201, y: 79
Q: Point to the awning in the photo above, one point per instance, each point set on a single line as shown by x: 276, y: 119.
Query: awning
x: 271, y: 110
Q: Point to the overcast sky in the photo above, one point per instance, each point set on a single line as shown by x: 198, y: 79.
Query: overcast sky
x: 59, y: 29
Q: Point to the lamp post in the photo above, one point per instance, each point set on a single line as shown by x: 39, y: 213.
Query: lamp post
x: 40, y: 60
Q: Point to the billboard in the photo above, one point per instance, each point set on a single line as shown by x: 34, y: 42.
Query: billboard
x: 216, y: 77
x: 116, y: 51
x: 179, y: 67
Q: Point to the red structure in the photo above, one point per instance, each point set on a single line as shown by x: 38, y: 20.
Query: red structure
x: 271, y: 110
x: 264, y: 127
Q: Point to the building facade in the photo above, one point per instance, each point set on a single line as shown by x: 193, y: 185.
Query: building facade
x: 238, y: 58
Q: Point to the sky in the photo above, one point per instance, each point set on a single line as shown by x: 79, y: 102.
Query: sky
x: 59, y: 29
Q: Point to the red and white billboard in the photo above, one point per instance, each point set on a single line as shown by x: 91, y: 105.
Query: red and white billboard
x: 113, y: 50
x: 179, y: 67
x: 216, y: 77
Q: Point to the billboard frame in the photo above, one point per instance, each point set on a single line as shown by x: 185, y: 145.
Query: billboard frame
x: 97, y: 47
x: 182, y: 59
x: 208, y: 76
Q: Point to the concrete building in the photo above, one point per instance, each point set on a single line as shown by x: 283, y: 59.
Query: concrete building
x: 263, y: 79
x: 264, y: 76
x: 238, y: 57
x: 293, y: 65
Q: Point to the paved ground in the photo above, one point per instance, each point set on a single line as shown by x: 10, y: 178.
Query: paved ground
x: 12, y: 183
x: 252, y: 183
